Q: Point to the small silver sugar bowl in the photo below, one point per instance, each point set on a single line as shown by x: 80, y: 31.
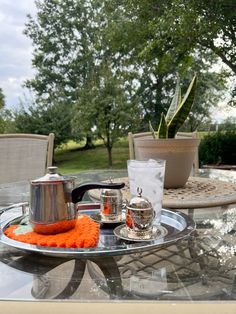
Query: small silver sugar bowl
x: 139, y: 217
x: 111, y: 205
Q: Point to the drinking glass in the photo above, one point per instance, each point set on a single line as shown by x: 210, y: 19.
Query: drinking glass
x: 149, y: 176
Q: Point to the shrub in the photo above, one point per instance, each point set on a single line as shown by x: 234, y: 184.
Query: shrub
x: 218, y: 148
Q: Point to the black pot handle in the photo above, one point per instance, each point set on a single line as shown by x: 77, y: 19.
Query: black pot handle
x: 78, y: 193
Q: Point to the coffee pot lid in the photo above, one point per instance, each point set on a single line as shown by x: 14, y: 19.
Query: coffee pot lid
x: 51, y: 176
x: 139, y: 201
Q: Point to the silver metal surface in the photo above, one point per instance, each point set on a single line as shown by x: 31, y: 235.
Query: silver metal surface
x: 50, y: 200
x: 99, y: 219
x: 139, y: 201
x: 139, y: 217
x: 111, y: 204
x: 157, y: 232
x: 178, y: 226
x: 23, y: 206
x: 195, y: 271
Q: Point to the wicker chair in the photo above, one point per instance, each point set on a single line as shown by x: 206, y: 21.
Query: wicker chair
x: 24, y: 156
x: 132, y: 137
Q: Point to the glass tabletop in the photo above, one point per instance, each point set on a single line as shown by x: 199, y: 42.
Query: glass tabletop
x: 200, y: 267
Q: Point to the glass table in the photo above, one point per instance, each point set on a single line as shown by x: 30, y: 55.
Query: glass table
x: 189, y: 275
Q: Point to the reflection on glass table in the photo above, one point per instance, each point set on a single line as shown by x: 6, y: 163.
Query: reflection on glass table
x: 199, y: 267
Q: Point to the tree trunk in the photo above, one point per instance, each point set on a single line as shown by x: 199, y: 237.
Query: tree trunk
x: 109, y: 152
x: 89, y: 143
x: 158, y: 87
x: 108, y: 144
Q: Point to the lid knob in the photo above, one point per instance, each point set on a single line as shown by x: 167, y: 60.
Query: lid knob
x: 50, y: 176
x: 139, y: 201
x: 139, y: 191
x: 52, y: 169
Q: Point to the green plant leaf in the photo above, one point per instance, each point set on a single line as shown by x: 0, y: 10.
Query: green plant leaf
x: 152, y: 130
x: 162, y: 129
x: 176, y: 101
x: 183, y: 110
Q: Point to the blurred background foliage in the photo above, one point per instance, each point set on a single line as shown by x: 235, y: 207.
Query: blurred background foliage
x: 106, y: 67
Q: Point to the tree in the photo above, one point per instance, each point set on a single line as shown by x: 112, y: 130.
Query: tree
x: 5, y: 115
x: 210, y: 90
x: 2, y: 99
x: 39, y: 119
x: 2, y: 104
x: 106, y: 107
x: 73, y: 38
x: 174, y: 29
x: 63, y: 35
x: 178, y: 27
x: 69, y: 44
x: 160, y: 42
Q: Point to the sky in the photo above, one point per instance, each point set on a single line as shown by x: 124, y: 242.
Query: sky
x: 16, y: 53
x: 15, y: 49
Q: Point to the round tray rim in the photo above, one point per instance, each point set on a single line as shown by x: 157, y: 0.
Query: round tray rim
x: 100, y: 252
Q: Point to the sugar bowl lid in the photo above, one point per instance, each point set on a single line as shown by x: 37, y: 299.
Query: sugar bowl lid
x: 114, y: 194
x: 139, y: 201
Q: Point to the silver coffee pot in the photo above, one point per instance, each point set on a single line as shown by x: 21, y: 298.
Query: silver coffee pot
x: 53, y: 201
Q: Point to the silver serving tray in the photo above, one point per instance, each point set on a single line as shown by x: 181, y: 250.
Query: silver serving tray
x: 178, y: 226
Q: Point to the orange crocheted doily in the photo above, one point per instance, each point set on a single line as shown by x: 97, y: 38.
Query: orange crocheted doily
x: 84, y: 235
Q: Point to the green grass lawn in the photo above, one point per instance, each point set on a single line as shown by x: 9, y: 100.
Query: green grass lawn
x: 71, y: 159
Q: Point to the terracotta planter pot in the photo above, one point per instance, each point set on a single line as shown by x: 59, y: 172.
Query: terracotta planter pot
x: 179, y: 154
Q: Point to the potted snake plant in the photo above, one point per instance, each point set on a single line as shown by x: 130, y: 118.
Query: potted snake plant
x: 165, y: 144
